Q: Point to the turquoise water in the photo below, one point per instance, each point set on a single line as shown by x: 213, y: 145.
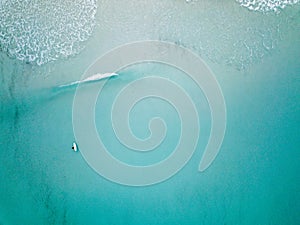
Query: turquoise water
x: 253, y: 180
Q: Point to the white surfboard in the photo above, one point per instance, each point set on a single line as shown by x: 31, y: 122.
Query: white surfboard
x: 74, y: 147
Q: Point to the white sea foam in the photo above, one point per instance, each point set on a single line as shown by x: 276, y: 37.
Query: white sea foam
x: 266, y: 5
x: 41, y: 31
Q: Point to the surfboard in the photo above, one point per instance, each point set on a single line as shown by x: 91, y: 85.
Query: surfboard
x: 74, y: 147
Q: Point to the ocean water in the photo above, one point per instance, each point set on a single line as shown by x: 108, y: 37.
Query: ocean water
x: 253, y: 50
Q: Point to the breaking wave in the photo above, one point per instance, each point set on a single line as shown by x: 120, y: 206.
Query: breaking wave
x: 37, y: 31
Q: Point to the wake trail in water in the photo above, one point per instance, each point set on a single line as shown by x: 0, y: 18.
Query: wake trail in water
x: 93, y: 78
x: 52, y: 93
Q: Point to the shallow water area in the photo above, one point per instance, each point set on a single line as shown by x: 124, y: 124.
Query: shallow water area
x: 254, y: 56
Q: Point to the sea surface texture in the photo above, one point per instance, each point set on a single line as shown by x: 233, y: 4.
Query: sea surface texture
x: 252, y: 48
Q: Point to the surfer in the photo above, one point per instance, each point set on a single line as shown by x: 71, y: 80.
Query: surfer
x: 74, y: 147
